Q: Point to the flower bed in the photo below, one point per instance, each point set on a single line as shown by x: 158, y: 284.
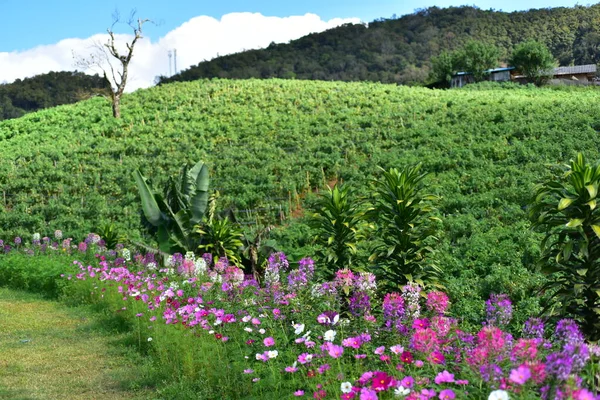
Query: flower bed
x: 290, y: 336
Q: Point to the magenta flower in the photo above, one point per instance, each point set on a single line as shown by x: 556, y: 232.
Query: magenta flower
x: 520, y: 375
x: 381, y: 381
x: 444, y: 377
x: 447, y: 394
x: 269, y: 341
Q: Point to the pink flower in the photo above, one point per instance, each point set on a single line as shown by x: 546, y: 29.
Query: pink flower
x: 305, y: 358
x: 291, y: 369
x: 427, y: 393
x: 397, y: 349
x: 520, y: 375
x: 407, y: 382
x: 447, y: 394
x: 368, y: 394
x: 335, y: 351
x: 444, y: 377
x: 299, y: 393
x: 379, y: 351
x: 269, y: 341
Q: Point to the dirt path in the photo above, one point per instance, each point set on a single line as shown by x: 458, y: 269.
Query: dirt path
x: 48, y: 351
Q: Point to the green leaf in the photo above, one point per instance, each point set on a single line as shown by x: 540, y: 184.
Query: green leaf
x: 564, y: 203
x: 149, y: 204
x: 592, y: 204
x: 582, y: 271
x: 596, y: 229
x: 592, y: 190
x: 575, y: 222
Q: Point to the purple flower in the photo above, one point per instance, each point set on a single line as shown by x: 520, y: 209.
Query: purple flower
x: 520, y: 375
x: 499, y: 310
x: 360, y: 304
x: 534, y: 328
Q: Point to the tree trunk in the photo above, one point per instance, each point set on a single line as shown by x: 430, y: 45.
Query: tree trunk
x: 116, y: 106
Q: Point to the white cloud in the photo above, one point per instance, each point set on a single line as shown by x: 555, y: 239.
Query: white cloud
x: 200, y: 38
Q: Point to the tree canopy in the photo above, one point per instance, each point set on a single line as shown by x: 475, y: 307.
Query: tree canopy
x: 48, y: 90
x: 534, y: 60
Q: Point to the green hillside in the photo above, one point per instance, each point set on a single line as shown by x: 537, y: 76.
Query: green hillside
x: 270, y: 142
x: 400, y: 49
x: 48, y: 90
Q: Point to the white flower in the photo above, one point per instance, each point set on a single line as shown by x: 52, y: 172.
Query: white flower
x: 149, y: 339
x: 190, y: 256
x: 309, y: 358
x: 346, y: 387
x: 258, y: 356
x: 151, y: 266
x: 329, y: 335
x: 218, y: 321
x: 401, y: 391
x: 336, y: 319
x: 36, y: 236
x: 246, y: 318
x: 247, y: 329
x: 211, y: 332
x: 261, y: 331
x: 498, y: 395
x: 273, y: 354
x: 299, y: 328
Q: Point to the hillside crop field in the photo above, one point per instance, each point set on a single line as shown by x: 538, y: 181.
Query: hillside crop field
x: 268, y: 143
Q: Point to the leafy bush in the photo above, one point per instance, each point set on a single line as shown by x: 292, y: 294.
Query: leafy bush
x: 566, y: 211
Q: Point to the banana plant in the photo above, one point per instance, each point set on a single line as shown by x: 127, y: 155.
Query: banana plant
x: 566, y: 210
x: 180, y: 207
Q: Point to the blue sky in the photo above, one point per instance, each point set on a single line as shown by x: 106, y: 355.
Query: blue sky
x: 29, y: 23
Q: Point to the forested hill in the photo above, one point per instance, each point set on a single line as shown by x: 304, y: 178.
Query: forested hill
x: 399, y: 50
x: 48, y: 90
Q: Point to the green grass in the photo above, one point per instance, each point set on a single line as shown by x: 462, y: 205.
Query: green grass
x: 49, y: 351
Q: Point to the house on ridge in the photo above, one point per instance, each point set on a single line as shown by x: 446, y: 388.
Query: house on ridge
x: 503, y: 74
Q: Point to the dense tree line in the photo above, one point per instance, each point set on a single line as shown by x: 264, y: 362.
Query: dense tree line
x: 48, y: 90
x: 399, y: 50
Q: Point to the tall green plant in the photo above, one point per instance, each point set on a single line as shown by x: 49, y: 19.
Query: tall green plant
x: 178, y: 209
x: 567, y: 212
x: 337, y: 218
x: 405, y: 235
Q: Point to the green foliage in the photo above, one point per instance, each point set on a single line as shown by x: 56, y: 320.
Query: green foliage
x: 221, y: 238
x: 566, y: 211
x: 35, y: 274
x: 181, y: 206
x: 476, y: 57
x: 257, y: 247
x: 337, y: 218
x: 534, y: 60
x: 405, y: 238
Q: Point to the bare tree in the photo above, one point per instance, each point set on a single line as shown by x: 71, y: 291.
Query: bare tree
x: 106, y: 54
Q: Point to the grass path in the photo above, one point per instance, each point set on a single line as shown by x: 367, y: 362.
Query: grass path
x: 50, y: 351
